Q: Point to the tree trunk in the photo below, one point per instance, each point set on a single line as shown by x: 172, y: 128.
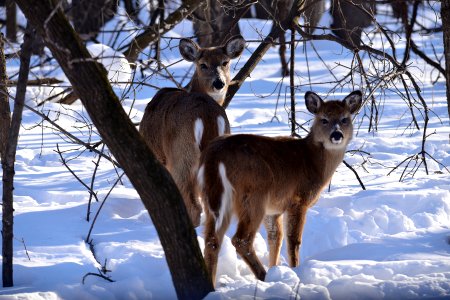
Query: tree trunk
x: 5, y: 113
x: 213, y: 25
x: 445, y: 15
x: 5, y: 119
x: 11, y: 20
x: 8, y: 163
x: 151, y: 180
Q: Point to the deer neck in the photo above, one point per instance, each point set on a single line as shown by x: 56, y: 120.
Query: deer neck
x: 325, y: 160
x: 195, y: 86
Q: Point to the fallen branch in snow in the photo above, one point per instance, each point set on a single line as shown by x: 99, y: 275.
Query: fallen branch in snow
x: 25, y: 248
x: 98, y: 275
x: 418, y: 159
x: 356, y: 174
x: 103, y: 271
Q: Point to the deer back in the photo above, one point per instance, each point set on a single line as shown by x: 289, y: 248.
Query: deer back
x: 176, y: 120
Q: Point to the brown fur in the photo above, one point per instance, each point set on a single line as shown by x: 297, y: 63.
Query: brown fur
x: 168, y: 124
x: 270, y: 177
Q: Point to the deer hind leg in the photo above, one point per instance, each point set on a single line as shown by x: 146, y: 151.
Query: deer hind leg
x: 295, y: 222
x: 274, y: 228
x: 183, y: 171
x: 249, y: 221
x: 213, y: 242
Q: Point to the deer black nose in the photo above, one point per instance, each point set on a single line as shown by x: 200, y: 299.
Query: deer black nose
x: 336, y: 137
x: 218, y: 84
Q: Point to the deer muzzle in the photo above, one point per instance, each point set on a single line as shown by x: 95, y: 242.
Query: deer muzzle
x: 218, y: 84
x: 337, y: 137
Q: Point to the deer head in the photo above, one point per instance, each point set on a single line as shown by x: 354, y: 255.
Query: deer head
x: 212, y: 66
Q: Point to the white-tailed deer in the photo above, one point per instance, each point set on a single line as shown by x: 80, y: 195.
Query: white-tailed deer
x: 261, y: 178
x: 177, y: 124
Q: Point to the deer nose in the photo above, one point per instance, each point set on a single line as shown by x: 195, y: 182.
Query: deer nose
x: 336, y: 137
x: 218, y: 84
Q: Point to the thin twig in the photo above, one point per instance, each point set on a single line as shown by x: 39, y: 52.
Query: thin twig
x: 92, y: 185
x: 356, y: 174
x: 64, y: 162
x: 88, y: 238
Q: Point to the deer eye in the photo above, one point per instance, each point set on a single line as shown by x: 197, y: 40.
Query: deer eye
x: 344, y: 121
x: 225, y: 63
x: 324, y: 121
x: 203, y: 66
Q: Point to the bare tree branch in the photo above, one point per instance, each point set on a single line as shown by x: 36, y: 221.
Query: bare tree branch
x: 153, y: 33
x: 255, y: 58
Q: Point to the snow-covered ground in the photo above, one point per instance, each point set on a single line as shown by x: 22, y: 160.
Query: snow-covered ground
x: 389, y: 241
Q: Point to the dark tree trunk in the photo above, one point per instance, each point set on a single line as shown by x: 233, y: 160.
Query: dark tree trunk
x: 151, y: 180
x: 8, y: 163
x: 89, y: 16
x: 11, y: 22
x: 5, y: 113
x: 445, y: 15
x: 212, y: 25
x: 5, y: 119
x: 132, y: 9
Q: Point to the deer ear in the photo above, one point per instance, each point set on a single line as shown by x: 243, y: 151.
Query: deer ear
x: 234, y: 46
x: 313, y: 102
x: 353, y: 101
x: 189, y: 49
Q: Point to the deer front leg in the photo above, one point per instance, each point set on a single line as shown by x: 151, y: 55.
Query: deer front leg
x: 274, y: 228
x: 295, y: 220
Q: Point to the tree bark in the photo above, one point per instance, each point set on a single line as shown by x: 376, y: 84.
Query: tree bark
x: 151, y: 180
x: 5, y: 113
x: 153, y: 33
x: 8, y: 163
x: 445, y: 16
x: 11, y: 20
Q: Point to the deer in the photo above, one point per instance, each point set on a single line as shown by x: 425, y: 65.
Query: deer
x: 261, y: 179
x: 178, y: 123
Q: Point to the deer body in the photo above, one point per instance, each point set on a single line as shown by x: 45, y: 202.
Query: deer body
x: 261, y: 179
x: 177, y: 124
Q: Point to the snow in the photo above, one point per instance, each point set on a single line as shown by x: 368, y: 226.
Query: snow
x: 390, y: 241
x: 119, y: 70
